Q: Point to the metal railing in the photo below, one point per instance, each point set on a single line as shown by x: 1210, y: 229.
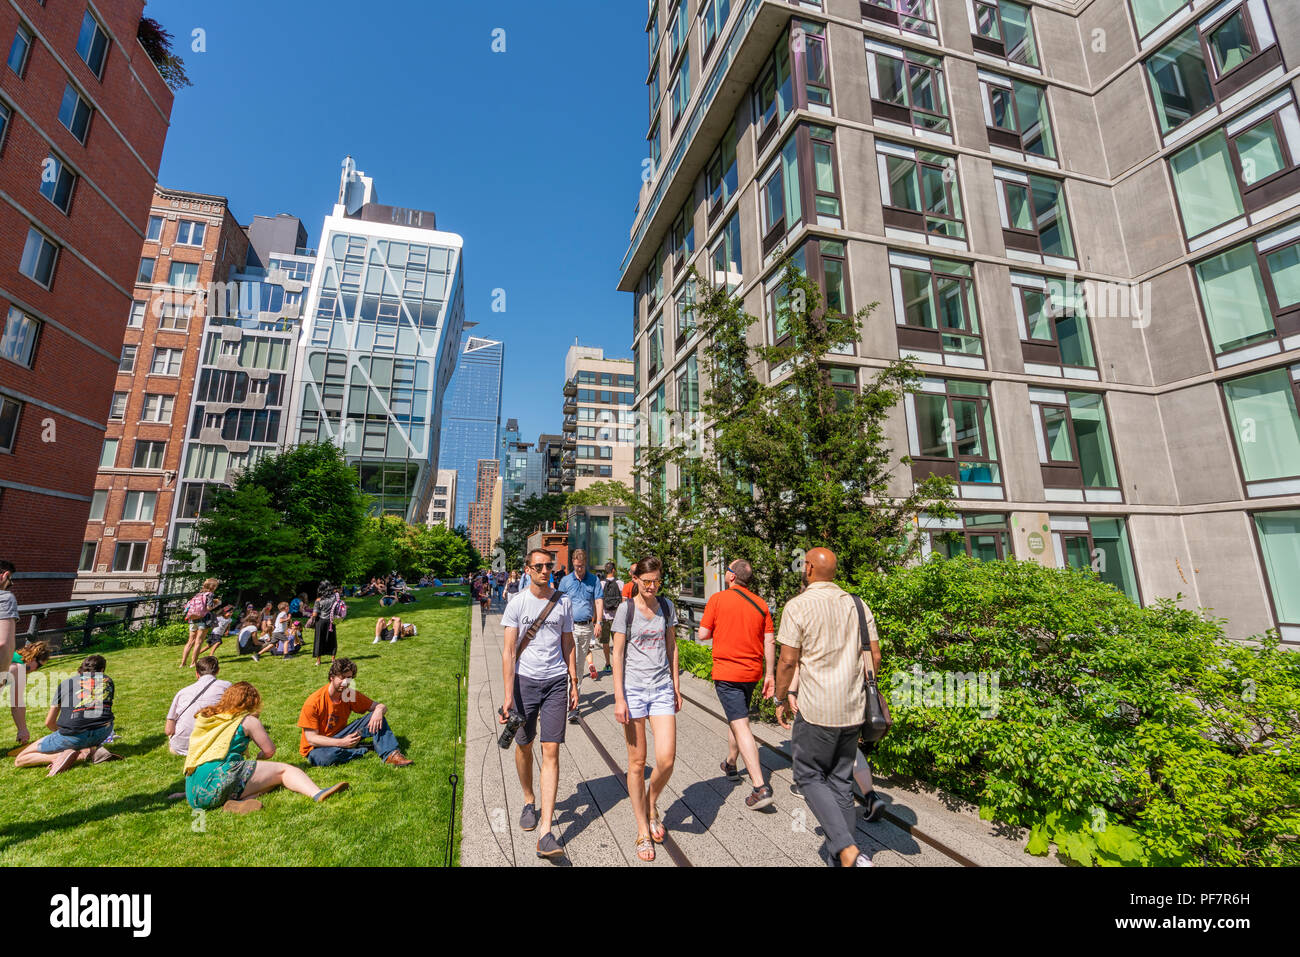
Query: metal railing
x: 135, y: 611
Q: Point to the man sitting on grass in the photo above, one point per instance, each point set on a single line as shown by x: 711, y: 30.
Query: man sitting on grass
x: 190, y: 700
x: 81, y: 719
x: 327, y: 738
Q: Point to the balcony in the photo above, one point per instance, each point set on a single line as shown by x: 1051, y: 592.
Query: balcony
x: 570, y: 389
x: 569, y: 460
x: 570, y: 406
x: 570, y: 424
x: 570, y: 442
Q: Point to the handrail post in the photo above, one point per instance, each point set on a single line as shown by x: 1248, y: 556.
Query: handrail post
x: 91, y: 612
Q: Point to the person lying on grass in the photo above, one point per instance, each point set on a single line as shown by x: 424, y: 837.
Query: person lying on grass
x: 390, y: 629
x: 81, y: 719
x: 328, y: 739
x: 216, y: 772
x: 27, y: 659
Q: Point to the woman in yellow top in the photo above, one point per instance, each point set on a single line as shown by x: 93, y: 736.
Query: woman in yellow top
x: 216, y: 772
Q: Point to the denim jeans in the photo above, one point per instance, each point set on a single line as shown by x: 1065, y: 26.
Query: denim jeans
x: 385, y: 742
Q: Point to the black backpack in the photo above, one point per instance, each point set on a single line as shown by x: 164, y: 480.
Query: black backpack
x: 610, y: 595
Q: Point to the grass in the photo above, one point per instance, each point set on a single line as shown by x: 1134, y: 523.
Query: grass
x: 118, y: 813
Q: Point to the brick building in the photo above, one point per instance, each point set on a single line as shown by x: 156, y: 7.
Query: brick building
x: 83, y: 117
x: 191, y: 241
x: 485, y: 510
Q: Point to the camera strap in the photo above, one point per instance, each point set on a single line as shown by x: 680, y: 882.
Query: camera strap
x: 537, y: 623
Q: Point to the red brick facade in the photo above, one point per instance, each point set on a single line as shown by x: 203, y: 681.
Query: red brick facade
x: 46, y: 479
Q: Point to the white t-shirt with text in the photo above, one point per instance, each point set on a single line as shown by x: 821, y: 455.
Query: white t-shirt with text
x: 543, y: 659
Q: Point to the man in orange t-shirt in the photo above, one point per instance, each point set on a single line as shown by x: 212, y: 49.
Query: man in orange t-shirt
x: 744, y: 650
x: 327, y: 735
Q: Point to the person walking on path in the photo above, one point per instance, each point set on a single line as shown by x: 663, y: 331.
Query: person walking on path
x: 8, y: 612
x: 647, y: 685
x: 541, y: 684
x: 744, y: 652
x: 820, y: 636
x: 200, y: 614
x: 583, y: 589
x: 611, y: 596
x: 322, y: 617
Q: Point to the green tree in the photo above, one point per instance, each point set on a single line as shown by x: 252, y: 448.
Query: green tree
x: 612, y: 492
x: 522, y: 520
x: 248, y: 548
x: 443, y: 553
x: 770, y: 471
x: 316, y: 492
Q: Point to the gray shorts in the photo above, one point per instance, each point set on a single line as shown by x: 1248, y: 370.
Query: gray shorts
x: 547, y: 700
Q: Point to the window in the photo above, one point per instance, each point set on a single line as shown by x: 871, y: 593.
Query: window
x: 1251, y: 296
x: 148, y: 455
x: 175, y: 315
x: 1053, y: 325
x: 779, y: 196
x: 984, y: 538
x: 183, y: 275
x: 1149, y: 14
x: 139, y: 506
x: 1016, y: 115
x: 826, y: 191
x: 655, y: 91
x: 117, y: 411
x: 684, y: 230
x: 920, y: 190
x: 4, y: 122
x: 1099, y: 545
x: 825, y: 259
x: 934, y: 308
x: 713, y: 20
x: 157, y: 408
x: 815, y: 83
x: 87, y: 562
x: 685, y: 310
x: 652, y: 31
x: 680, y: 94
x: 190, y: 233
x: 57, y: 182
x: 678, y: 25
x: 92, y: 44
x: 19, y: 49
x: 727, y: 270
x: 1074, y: 447
x: 74, y: 113
x: 144, y: 275
x: 1264, y: 422
x: 98, y: 499
x: 844, y: 385
x: 907, y: 88
x: 39, y: 255
x: 688, y: 389
x: 721, y: 181
x: 914, y: 16
x: 129, y: 556
x: 1279, y: 543
x: 108, y: 454
x: 9, y: 410
x: 774, y: 91
x: 1004, y: 29
x: 166, y: 362
x: 154, y: 233
x: 1034, y: 217
x: 136, y: 319
x: 1180, y: 83
x: 950, y: 432
x: 128, y: 358
x: 18, y: 344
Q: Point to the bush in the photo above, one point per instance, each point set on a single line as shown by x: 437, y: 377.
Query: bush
x: 1126, y: 735
x: 698, y: 660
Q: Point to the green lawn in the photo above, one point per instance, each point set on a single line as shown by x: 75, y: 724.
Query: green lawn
x: 118, y: 813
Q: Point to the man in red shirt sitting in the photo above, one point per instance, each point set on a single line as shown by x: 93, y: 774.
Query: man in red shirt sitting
x: 327, y: 735
x: 744, y: 650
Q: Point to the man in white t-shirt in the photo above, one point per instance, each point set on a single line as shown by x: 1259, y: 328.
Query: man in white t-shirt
x: 192, y: 699
x: 543, y: 688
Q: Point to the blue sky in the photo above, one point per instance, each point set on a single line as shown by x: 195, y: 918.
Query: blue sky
x: 532, y: 155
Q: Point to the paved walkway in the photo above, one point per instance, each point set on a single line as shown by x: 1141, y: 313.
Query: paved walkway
x: 707, y: 821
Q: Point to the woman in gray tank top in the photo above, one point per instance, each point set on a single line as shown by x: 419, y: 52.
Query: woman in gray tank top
x: 646, y: 685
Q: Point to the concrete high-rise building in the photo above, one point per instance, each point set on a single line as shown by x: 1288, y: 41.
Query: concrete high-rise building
x: 83, y: 116
x: 443, y: 509
x: 192, y: 243
x: 1080, y: 220
x: 599, y: 395
x: 552, y: 449
x: 379, y: 343
x: 471, y: 424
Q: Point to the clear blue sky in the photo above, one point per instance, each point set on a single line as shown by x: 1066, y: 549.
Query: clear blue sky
x: 532, y: 155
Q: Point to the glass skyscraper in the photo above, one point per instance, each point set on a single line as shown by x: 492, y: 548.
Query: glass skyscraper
x: 379, y: 343
x: 471, y: 424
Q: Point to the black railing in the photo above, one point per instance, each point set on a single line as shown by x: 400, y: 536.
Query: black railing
x: 102, y: 615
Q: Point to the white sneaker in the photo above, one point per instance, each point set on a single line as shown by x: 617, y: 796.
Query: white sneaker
x: 414, y: 631
x: 393, y: 640
x: 862, y: 861
x: 375, y: 642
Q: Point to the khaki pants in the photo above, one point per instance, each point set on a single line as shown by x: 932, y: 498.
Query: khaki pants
x: 582, y: 644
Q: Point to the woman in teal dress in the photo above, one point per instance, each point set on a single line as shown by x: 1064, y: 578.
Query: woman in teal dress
x: 27, y: 659
x: 217, y: 773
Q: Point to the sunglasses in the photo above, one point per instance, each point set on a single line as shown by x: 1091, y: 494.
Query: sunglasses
x: 543, y: 566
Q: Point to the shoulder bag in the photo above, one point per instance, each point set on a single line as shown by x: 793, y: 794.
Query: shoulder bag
x: 878, y: 719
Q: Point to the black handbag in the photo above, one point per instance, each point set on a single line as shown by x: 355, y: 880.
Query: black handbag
x: 879, y: 720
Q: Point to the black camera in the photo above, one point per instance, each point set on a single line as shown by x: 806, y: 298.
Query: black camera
x: 514, y: 721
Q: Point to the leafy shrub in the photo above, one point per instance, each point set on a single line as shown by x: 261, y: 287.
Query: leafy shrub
x: 1125, y: 735
x: 698, y: 660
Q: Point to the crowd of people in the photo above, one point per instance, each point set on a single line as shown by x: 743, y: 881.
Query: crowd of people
x: 828, y: 643
x: 212, y: 723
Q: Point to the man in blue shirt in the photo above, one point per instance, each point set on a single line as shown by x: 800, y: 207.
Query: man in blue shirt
x: 583, y: 589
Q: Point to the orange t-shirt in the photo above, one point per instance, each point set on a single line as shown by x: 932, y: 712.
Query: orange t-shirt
x: 324, y: 715
x: 737, y: 629
x: 627, y: 589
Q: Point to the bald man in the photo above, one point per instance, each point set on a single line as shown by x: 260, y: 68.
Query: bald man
x: 821, y: 638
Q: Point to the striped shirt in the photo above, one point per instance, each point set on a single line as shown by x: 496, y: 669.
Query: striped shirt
x: 823, y: 624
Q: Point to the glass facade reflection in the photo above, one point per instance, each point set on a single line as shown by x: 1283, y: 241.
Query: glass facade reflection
x: 471, y: 426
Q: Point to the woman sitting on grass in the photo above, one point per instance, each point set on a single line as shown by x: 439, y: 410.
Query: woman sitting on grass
x: 250, y: 642
x: 216, y: 772
x: 291, y: 642
x: 81, y: 720
x: 390, y: 629
x: 27, y: 659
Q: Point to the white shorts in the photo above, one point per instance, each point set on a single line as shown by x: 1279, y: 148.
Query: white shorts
x: 642, y: 702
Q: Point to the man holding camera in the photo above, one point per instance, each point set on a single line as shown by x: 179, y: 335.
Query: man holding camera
x: 541, y: 685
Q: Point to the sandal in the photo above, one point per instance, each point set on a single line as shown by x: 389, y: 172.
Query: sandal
x: 657, y: 830
x: 644, y: 847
